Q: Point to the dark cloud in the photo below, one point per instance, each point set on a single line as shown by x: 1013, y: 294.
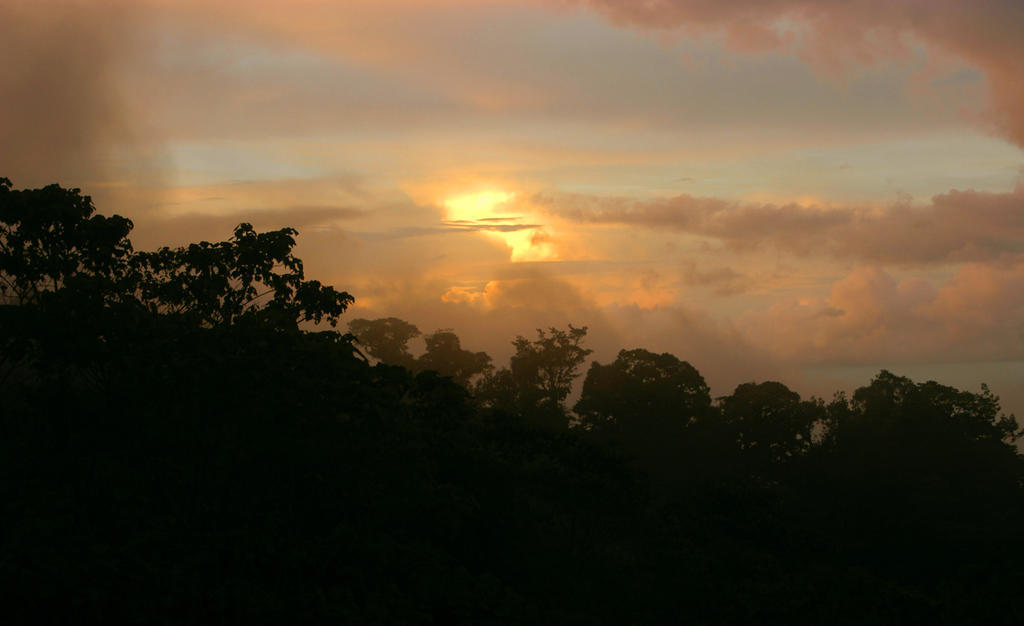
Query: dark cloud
x: 836, y: 35
x: 468, y: 226
x: 954, y: 227
x: 446, y: 228
x: 176, y: 230
x: 62, y: 108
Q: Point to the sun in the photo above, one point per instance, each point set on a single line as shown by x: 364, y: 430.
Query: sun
x: 492, y: 214
x: 480, y: 206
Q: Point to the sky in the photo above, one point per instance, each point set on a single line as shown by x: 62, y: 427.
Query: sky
x: 797, y: 190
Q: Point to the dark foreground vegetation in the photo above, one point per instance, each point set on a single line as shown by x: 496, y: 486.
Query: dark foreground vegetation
x: 176, y: 447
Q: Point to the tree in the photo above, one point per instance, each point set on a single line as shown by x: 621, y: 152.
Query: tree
x: 920, y: 478
x: 646, y: 405
x: 76, y: 296
x: 60, y: 267
x: 445, y: 355
x: 550, y: 363
x: 770, y: 421
x: 50, y: 239
x: 936, y: 408
x: 642, y: 390
x: 539, y: 377
x: 933, y: 423
x: 252, y: 276
x: 386, y: 339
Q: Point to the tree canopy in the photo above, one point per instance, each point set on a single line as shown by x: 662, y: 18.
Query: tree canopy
x: 250, y: 276
x: 770, y: 421
x: 51, y: 239
x: 640, y: 387
x: 386, y: 340
x: 445, y: 355
x: 539, y: 376
x: 179, y: 444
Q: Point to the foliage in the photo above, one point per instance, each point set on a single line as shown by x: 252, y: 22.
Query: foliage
x: 386, y: 340
x: 445, y: 355
x: 653, y: 408
x: 175, y: 449
x: 933, y: 410
x: 539, y: 376
x: 50, y: 239
x: 230, y: 281
x: 640, y: 388
x: 770, y: 421
x: 920, y: 437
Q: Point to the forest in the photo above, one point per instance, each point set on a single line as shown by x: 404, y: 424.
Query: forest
x: 199, y: 435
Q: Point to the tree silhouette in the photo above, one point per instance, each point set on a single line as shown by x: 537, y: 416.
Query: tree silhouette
x: 177, y: 446
x: 770, y: 421
x: 386, y: 339
x: 445, y: 355
x: 78, y: 296
x: 51, y: 239
x: 252, y: 276
x: 647, y: 405
x: 925, y: 431
x: 61, y: 265
x: 641, y: 389
x: 539, y: 377
x: 933, y: 410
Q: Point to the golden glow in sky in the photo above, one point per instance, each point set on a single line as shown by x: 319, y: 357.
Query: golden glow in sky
x: 490, y: 213
x: 477, y: 207
x: 760, y: 189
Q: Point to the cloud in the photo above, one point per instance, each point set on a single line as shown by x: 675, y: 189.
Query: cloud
x: 168, y: 215
x: 499, y: 86
x: 63, y: 111
x: 488, y: 316
x: 839, y: 35
x: 724, y: 281
x: 536, y: 292
x: 871, y: 316
x: 190, y: 227
x: 468, y: 226
x: 300, y: 68
x: 957, y: 226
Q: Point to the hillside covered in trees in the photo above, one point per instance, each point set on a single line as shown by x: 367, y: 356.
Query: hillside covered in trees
x: 182, y: 443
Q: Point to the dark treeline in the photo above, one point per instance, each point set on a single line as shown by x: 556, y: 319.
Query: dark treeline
x: 176, y: 446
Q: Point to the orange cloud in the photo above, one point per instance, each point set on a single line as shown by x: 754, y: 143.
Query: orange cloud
x: 871, y: 316
x: 956, y: 226
x: 488, y: 317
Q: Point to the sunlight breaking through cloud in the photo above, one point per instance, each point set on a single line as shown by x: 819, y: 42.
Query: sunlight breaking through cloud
x: 487, y: 212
